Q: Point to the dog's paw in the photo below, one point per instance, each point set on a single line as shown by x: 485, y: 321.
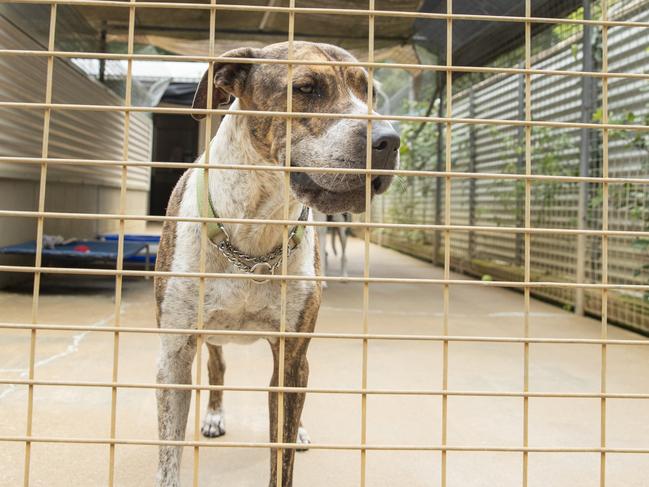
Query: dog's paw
x: 213, y: 424
x: 303, y: 439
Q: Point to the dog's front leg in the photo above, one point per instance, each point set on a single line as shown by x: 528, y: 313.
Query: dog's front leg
x: 174, y: 367
x: 296, y: 374
x: 213, y: 423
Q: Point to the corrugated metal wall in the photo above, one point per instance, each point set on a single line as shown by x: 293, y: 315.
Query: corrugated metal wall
x: 73, y: 134
x: 498, y: 149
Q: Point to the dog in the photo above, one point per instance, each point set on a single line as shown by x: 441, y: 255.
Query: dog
x: 340, y: 233
x: 244, y: 304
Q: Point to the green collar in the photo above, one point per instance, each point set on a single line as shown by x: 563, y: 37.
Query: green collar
x: 216, y: 231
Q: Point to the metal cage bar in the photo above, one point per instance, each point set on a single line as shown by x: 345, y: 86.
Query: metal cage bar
x: 448, y: 131
x: 326, y: 446
x: 294, y: 277
x: 120, y: 242
x: 449, y: 175
x: 350, y: 336
x: 350, y: 116
x: 366, y: 248
x: 339, y: 11
x: 47, y: 114
x: 604, y: 264
x: 281, y: 359
x: 311, y: 390
x: 200, y: 316
x: 298, y: 62
x: 527, y: 132
x: 341, y: 170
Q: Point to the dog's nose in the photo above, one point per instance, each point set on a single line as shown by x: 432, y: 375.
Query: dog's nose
x: 385, y: 144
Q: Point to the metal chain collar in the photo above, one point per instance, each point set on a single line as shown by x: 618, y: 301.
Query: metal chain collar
x: 262, y: 265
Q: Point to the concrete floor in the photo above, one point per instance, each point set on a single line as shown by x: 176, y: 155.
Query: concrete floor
x: 395, y: 308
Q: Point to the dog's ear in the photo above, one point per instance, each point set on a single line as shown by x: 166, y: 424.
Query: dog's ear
x: 229, y: 80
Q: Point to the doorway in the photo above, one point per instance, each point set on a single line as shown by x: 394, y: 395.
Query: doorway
x: 175, y: 139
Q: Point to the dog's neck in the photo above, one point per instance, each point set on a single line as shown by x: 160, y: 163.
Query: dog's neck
x: 246, y: 193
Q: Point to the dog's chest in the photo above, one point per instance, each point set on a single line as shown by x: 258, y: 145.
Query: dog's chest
x: 235, y: 304
x: 247, y: 306
x: 232, y: 303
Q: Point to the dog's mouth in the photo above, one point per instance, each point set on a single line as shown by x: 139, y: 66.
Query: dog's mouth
x: 341, y: 195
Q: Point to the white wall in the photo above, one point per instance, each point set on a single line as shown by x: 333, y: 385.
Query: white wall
x: 60, y: 197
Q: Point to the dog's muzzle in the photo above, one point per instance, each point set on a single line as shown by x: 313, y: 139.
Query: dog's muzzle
x: 385, y: 147
x: 343, y: 192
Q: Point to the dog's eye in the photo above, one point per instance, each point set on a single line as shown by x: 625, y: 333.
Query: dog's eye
x: 306, y: 89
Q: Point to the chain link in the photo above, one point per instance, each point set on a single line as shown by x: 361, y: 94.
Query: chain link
x: 246, y: 263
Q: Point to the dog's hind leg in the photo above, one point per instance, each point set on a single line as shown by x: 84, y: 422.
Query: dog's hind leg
x: 174, y: 367
x: 296, y: 373
x: 334, y: 231
x: 213, y: 422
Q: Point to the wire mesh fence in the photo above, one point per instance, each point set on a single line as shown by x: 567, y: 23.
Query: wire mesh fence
x: 556, y: 152
x: 498, y: 193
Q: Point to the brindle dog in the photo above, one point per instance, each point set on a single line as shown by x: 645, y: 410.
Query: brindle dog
x: 241, y: 304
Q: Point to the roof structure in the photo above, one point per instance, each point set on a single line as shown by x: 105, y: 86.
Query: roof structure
x: 183, y: 31
x: 475, y: 43
x: 186, y: 31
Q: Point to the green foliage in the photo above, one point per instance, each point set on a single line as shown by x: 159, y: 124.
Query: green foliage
x: 392, y: 80
x: 628, y: 196
x: 419, y: 142
x: 561, y: 32
x: 547, y: 147
x: 418, y: 152
x: 636, y: 139
x: 568, y: 307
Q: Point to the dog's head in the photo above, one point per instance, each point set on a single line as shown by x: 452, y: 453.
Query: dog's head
x: 315, y: 142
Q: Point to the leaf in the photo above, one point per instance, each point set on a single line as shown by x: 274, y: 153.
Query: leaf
x: 597, y: 116
x: 641, y: 243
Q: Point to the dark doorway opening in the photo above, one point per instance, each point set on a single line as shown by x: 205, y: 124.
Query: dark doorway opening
x: 175, y: 139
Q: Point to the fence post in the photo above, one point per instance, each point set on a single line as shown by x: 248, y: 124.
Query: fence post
x: 438, y: 181
x: 584, y: 155
x: 472, y: 181
x: 520, y: 169
x: 103, y: 47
